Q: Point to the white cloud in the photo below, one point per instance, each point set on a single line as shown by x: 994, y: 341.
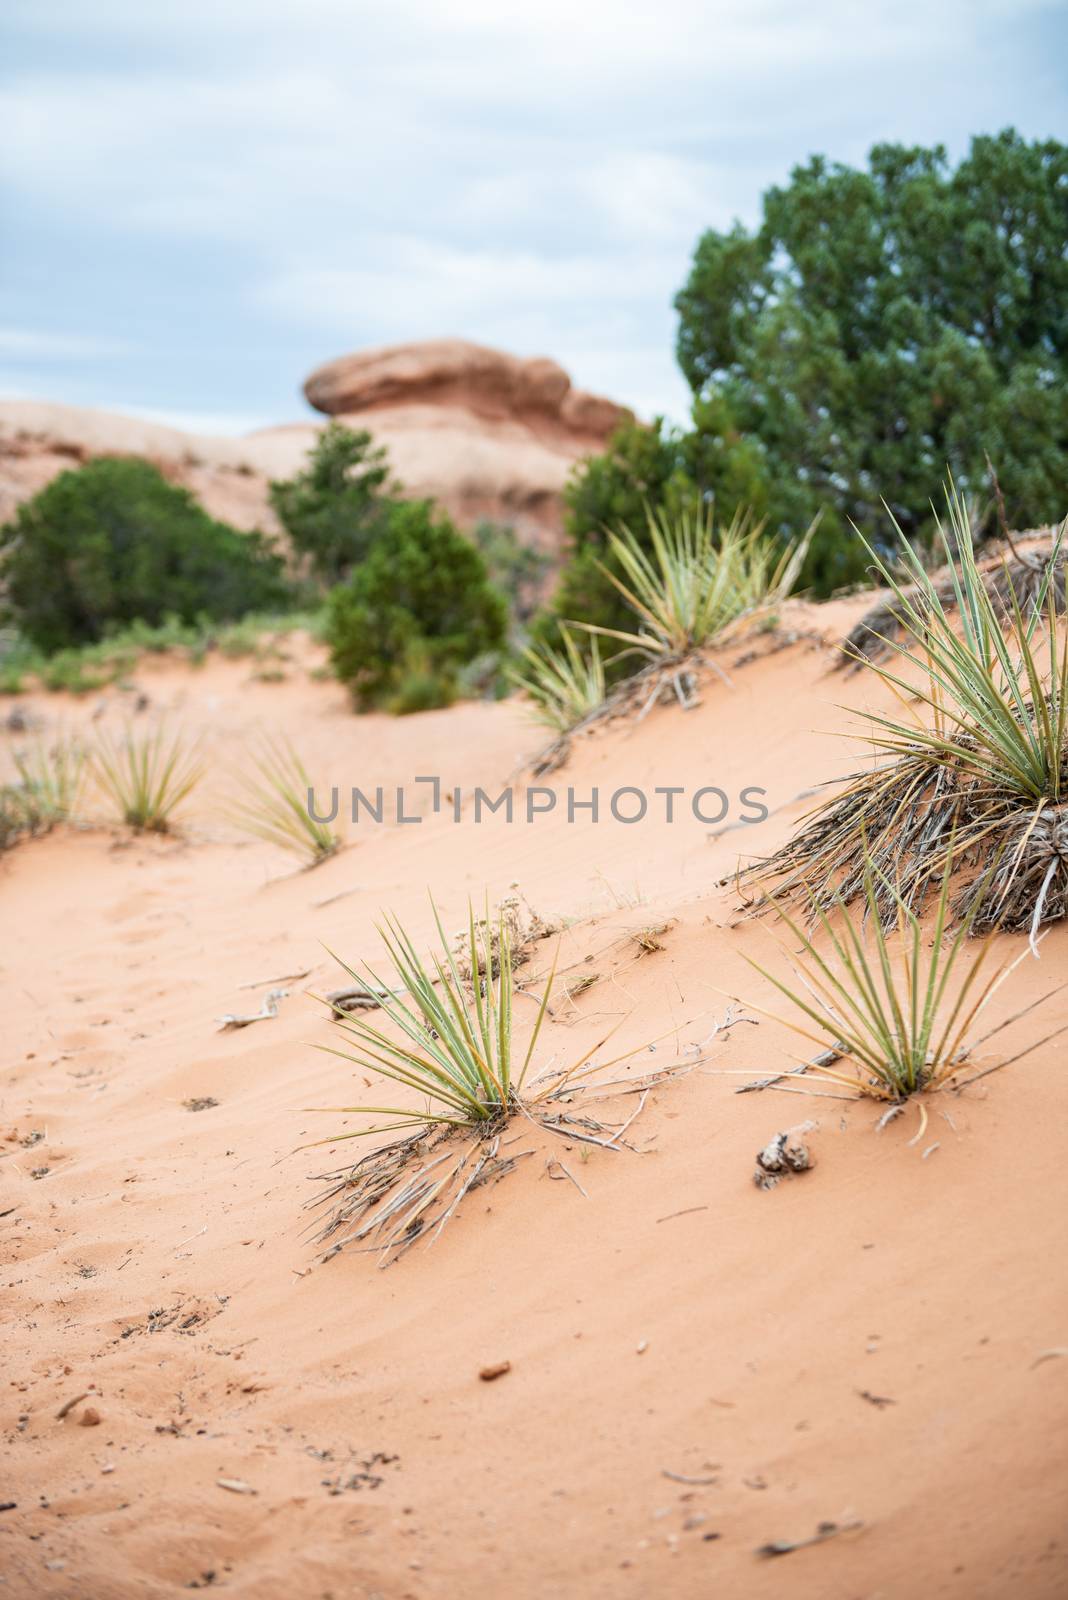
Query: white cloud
x: 529, y: 175
x: 21, y: 343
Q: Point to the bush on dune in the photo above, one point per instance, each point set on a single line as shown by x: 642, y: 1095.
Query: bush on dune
x: 418, y: 610
x: 114, y: 543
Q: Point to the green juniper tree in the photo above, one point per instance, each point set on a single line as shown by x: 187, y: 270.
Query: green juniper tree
x: 878, y: 326
x: 334, y: 509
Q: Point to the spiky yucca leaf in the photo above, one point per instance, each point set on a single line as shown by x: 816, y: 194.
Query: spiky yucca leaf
x: 880, y: 1000
x: 697, y: 582
x: 999, y: 699
x: 277, y: 804
x: 147, y: 776
x: 564, y: 686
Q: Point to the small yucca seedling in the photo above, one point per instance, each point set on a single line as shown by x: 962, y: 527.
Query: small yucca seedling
x: 51, y: 778
x: 897, y: 1012
x: 697, y: 582
x: 564, y: 686
x: 147, y: 776
x: 278, y: 805
x: 451, y: 1042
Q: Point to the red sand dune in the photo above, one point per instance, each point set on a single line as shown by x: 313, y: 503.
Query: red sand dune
x: 697, y: 1368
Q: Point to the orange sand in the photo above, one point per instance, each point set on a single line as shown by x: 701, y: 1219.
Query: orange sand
x: 672, y: 1319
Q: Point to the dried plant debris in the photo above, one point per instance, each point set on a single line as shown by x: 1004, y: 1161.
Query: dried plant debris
x: 903, y: 820
x: 367, y: 1474
x: 200, y: 1102
x: 650, y: 938
x: 824, y: 1530
x: 519, y: 924
x: 267, y: 1012
x: 786, y: 1153
x: 356, y: 996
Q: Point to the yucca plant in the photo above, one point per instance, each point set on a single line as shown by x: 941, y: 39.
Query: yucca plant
x: 564, y: 686
x: 451, y: 1041
x: 894, y: 1012
x: 147, y: 776
x: 277, y: 804
x: 998, y: 697
x: 697, y: 581
x: 979, y: 753
x: 50, y: 779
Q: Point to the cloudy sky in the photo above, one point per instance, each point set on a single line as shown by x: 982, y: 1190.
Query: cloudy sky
x: 205, y: 198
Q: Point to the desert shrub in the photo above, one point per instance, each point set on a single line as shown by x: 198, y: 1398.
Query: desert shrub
x: 878, y: 324
x: 443, y: 1028
x: 88, y: 667
x: 336, y: 507
x: 639, y: 468
x: 113, y: 543
x: 421, y: 602
x: 51, y: 777
x: 46, y: 790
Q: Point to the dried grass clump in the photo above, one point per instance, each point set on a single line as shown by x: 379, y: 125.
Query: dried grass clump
x: 986, y: 770
x: 453, y: 1044
x: 51, y: 777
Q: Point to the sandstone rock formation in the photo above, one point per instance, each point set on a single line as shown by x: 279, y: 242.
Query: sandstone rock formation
x: 487, y: 435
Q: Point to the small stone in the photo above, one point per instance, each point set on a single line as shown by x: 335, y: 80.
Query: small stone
x: 497, y: 1370
x: 90, y: 1418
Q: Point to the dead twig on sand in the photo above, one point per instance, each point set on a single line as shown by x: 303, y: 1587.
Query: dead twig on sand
x: 826, y: 1058
x: 267, y: 1013
x: 824, y: 1530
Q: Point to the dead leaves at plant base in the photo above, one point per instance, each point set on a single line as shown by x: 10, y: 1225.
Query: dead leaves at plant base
x: 782, y: 1156
x: 411, y: 1188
